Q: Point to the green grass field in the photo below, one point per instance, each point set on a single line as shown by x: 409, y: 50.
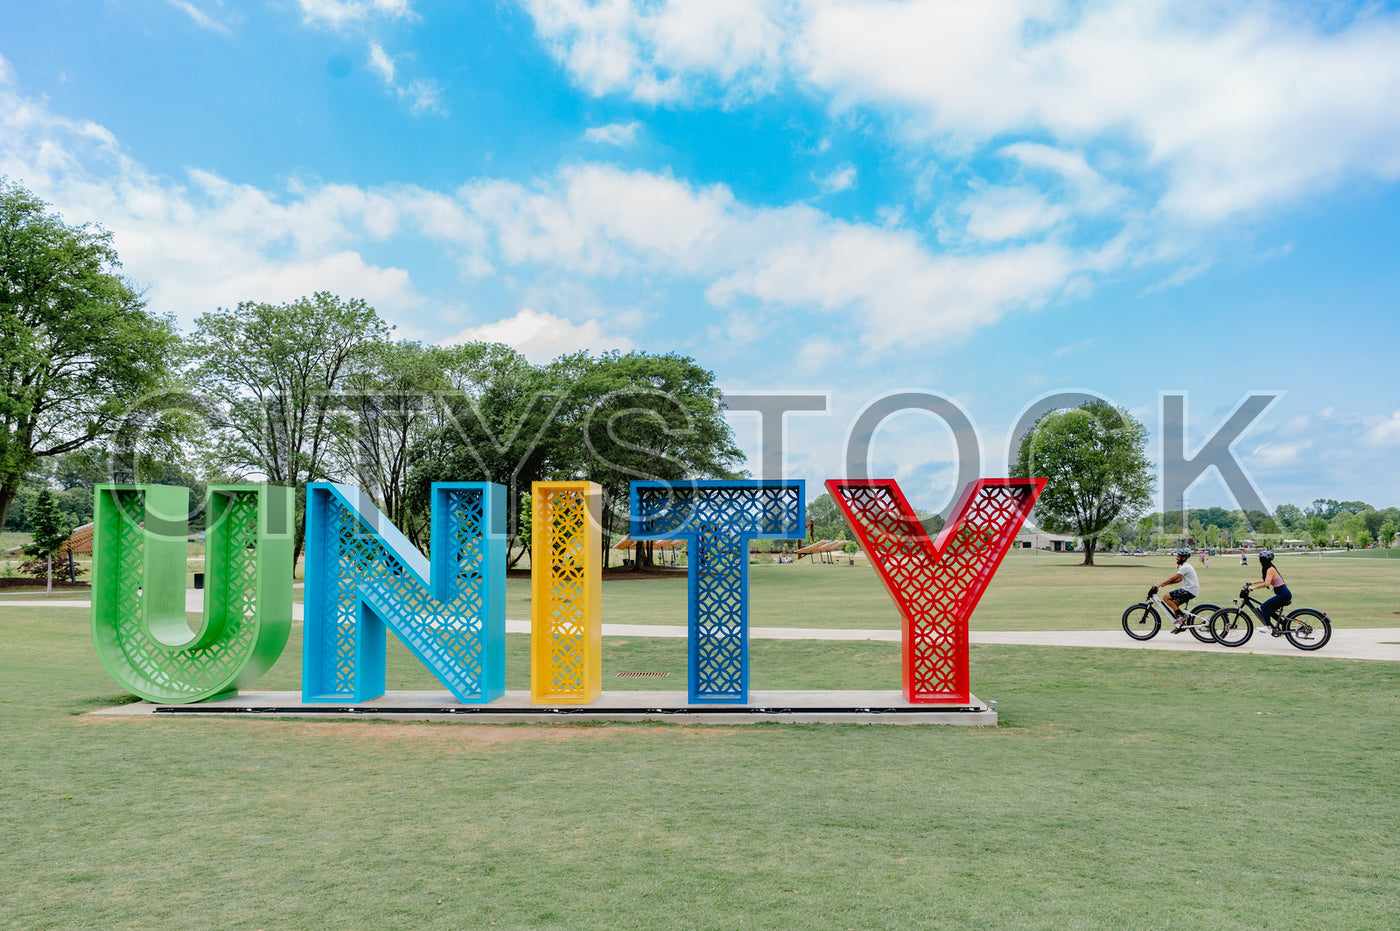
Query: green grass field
x: 1126, y: 789
x: 1029, y: 592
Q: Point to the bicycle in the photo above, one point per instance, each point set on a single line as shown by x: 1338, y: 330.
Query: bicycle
x: 1141, y: 621
x: 1305, y: 628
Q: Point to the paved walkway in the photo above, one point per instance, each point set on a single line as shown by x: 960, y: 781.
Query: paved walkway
x: 1375, y: 643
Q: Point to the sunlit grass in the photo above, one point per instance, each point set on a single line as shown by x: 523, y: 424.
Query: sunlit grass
x: 1123, y: 789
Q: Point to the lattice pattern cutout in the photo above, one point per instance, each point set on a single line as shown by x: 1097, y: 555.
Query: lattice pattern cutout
x: 936, y: 586
x: 718, y: 519
x: 141, y: 662
x: 564, y: 608
x: 447, y: 635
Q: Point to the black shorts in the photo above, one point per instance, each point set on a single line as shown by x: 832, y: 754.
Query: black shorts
x: 1181, y: 596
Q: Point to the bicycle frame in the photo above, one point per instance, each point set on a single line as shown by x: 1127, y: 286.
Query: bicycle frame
x: 1305, y: 628
x: 1256, y: 608
x: 1158, y: 601
x: 1197, y: 618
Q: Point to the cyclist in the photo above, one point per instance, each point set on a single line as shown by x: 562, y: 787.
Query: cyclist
x: 1178, y: 598
x: 1282, y: 596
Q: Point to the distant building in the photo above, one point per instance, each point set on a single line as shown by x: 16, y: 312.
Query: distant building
x: 1040, y: 540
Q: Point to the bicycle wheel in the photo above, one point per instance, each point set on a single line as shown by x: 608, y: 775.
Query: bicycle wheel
x: 1200, y: 622
x: 1231, y: 627
x: 1141, y: 621
x: 1308, y: 629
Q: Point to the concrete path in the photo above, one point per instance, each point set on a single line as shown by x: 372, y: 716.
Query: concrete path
x: 1374, y: 643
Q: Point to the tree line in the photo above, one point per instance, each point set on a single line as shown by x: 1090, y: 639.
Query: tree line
x: 1100, y: 484
x: 99, y: 388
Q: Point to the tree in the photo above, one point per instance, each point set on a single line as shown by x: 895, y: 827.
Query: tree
x: 392, y: 401
x: 642, y: 416
x: 272, y: 372
x: 1291, y: 519
x: 1354, y: 527
x: 1386, y: 534
x: 1097, y: 472
x: 824, y: 518
x: 49, y: 535
x: 500, y: 425
x: 78, y: 349
x: 1318, y: 530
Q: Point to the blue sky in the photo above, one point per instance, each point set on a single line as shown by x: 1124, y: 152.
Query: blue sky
x: 992, y: 201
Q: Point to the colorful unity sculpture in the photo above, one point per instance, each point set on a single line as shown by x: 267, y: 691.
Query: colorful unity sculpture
x: 364, y: 578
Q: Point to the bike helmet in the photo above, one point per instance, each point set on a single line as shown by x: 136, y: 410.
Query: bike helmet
x: 1267, y: 554
x: 1184, y: 552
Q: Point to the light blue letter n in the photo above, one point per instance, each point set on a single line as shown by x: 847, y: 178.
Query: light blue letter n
x: 363, y: 577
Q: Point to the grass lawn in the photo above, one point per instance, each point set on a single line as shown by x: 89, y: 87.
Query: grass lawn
x: 1029, y: 592
x: 1123, y: 789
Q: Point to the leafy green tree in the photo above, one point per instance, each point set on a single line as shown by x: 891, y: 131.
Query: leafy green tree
x: 272, y: 373
x: 824, y: 518
x: 78, y: 348
x: 1145, y: 526
x: 1354, y: 527
x: 1326, y: 508
x: 1318, y: 530
x: 641, y: 416
x: 1386, y: 534
x: 392, y: 401
x: 49, y: 533
x: 1093, y: 457
x: 501, y: 423
x: 1291, y: 519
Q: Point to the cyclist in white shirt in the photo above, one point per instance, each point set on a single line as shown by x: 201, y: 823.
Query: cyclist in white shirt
x: 1178, y: 598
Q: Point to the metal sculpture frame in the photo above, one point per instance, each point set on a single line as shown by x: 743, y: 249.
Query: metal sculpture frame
x: 364, y: 577
x: 936, y: 584
x: 566, y: 579
x: 717, y: 519
x: 139, y: 561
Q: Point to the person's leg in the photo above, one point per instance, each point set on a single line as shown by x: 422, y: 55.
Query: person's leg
x: 1281, y: 599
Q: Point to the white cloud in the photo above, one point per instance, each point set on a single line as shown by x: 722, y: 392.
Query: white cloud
x: 201, y: 18
x: 1072, y: 348
x: 336, y: 14
x: 208, y: 242
x: 618, y: 134
x: 1234, y: 106
x: 542, y: 337
x: 1274, y: 455
x: 424, y: 95
x: 1385, y: 433
x: 998, y: 213
x: 841, y: 179
x: 421, y: 94
x: 603, y: 221
x: 650, y: 50
x: 381, y: 64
